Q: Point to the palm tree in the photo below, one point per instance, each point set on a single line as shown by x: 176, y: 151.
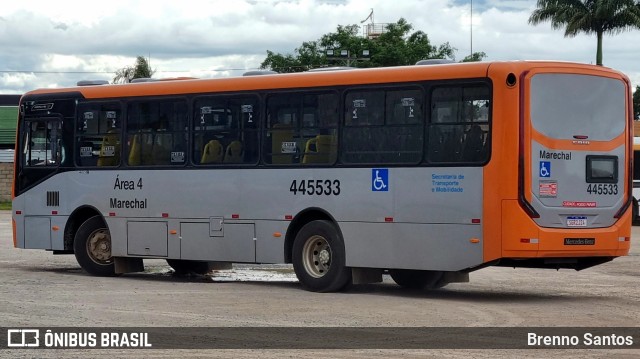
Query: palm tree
x: 588, y: 16
x: 141, y: 69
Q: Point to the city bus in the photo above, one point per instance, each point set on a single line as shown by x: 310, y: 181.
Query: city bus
x: 424, y: 172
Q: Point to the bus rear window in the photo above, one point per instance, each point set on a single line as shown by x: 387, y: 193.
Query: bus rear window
x: 602, y: 169
x: 567, y: 105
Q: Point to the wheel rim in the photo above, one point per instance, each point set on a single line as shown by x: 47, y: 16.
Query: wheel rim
x: 316, y: 256
x: 99, y: 247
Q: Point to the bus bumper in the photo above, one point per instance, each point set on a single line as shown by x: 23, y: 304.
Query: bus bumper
x: 529, y: 240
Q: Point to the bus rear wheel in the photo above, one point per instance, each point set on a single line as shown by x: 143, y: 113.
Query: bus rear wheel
x: 417, y: 279
x: 319, y: 257
x: 181, y: 266
x: 92, y: 247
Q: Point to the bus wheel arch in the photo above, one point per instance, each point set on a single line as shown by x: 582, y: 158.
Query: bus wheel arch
x: 76, y: 219
x: 634, y: 212
x: 299, y: 221
x: 92, y: 247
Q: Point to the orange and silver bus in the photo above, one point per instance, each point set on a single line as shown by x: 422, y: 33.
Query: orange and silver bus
x: 424, y: 172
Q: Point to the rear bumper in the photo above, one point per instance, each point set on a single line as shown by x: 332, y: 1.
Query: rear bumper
x: 522, y: 238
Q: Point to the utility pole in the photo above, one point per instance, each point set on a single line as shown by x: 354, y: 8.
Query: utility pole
x: 471, y: 27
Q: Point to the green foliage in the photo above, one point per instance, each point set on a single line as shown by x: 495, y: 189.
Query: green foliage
x: 397, y: 46
x: 307, y: 56
x: 589, y: 16
x: 476, y: 56
x: 141, y: 69
x: 636, y: 103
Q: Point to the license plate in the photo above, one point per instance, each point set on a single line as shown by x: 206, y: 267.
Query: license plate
x: 576, y: 221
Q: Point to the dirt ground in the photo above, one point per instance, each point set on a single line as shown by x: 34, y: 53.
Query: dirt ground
x: 38, y: 289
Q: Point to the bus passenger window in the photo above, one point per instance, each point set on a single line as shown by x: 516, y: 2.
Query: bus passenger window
x: 156, y: 133
x: 383, y: 126
x: 301, y: 129
x: 225, y: 130
x: 98, y: 134
x: 459, y: 125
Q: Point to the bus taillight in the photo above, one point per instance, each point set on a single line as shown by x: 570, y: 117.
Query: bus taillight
x: 15, y: 237
x: 529, y: 240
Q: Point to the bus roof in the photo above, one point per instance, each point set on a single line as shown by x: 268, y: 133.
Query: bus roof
x: 310, y: 79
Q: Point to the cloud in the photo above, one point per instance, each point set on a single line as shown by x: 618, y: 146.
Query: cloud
x: 54, y: 42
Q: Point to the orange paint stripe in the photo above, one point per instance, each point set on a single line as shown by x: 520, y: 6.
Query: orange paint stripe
x: 569, y: 145
x: 282, y: 81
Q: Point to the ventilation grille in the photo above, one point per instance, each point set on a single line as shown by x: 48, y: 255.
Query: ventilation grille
x: 53, y: 199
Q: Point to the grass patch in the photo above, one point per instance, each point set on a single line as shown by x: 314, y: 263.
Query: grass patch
x: 5, y: 206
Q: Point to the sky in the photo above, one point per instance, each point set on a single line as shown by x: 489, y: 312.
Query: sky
x: 50, y: 44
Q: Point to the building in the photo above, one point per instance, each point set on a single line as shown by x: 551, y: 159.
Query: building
x: 8, y: 120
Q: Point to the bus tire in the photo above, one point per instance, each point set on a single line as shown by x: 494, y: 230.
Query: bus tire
x: 319, y: 257
x: 92, y: 247
x: 417, y: 279
x: 182, y: 267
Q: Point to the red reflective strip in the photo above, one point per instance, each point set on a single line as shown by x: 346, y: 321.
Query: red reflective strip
x: 475, y: 220
x: 112, y: 214
x: 54, y: 212
x: 525, y: 240
x: 235, y: 216
x: 388, y: 219
x: 165, y: 215
x: 288, y: 217
x: 18, y: 212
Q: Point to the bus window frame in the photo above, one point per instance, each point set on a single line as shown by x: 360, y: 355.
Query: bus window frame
x: 300, y: 128
x: 78, y: 119
x: 431, y: 86
x: 126, y: 146
x: 226, y: 96
x: 382, y: 87
x: 26, y: 131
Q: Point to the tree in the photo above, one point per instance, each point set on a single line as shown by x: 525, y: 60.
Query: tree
x: 307, y: 56
x: 396, y: 46
x: 636, y: 103
x: 589, y: 16
x: 476, y: 56
x: 141, y: 69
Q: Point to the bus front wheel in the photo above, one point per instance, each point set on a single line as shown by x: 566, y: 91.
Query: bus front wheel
x: 319, y: 257
x: 416, y: 279
x: 92, y: 247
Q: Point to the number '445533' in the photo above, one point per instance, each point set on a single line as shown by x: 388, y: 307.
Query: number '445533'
x: 610, y: 189
x: 312, y: 187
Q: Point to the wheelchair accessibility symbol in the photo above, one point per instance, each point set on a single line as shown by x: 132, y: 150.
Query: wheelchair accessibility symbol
x: 545, y: 169
x: 380, y: 179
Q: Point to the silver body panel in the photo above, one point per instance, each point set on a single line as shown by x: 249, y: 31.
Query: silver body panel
x: 424, y: 217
